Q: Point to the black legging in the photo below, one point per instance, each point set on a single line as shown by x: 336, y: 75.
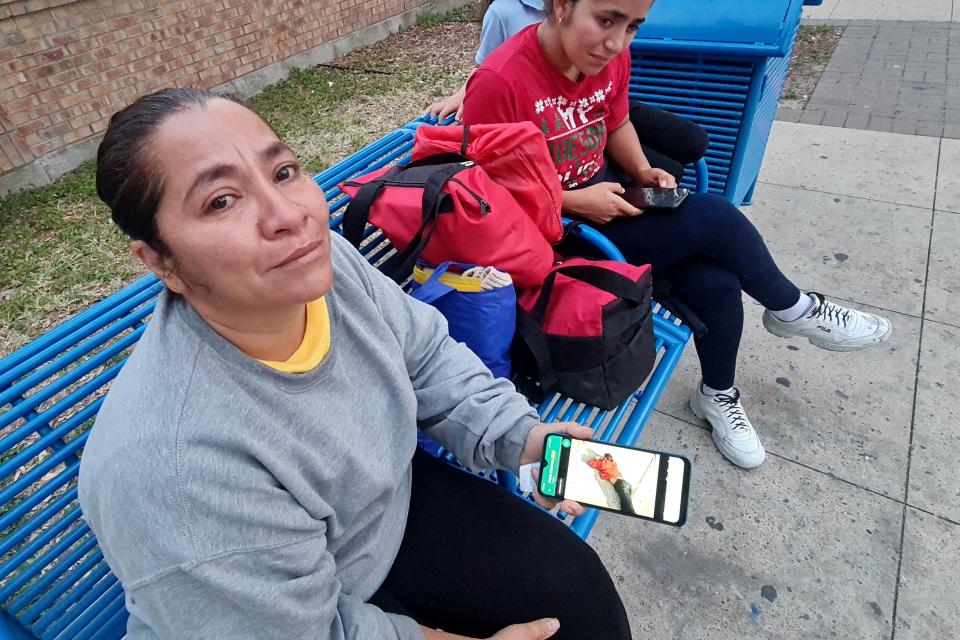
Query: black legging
x: 475, y: 559
x: 709, y: 252
x: 668, y: 141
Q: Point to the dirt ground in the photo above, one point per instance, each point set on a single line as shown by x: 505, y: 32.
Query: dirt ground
x: 811, y: 53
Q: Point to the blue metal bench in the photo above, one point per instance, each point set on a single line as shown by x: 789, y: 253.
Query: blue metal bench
x: 54, y: 582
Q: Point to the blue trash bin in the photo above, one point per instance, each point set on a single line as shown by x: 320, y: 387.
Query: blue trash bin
x: 720, y: 63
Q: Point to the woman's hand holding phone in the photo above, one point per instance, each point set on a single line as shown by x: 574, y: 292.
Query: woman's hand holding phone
x: 657, y: 178
x: 599, y: 203
x: 533, y: 453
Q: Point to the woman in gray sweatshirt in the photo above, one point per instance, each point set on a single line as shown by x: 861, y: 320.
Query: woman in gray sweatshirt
x: 252, y: 473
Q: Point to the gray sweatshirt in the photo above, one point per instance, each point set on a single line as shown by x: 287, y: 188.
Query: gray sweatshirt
x: 235, y: 501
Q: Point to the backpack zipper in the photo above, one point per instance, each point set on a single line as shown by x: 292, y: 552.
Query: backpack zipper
x: 484, y: 205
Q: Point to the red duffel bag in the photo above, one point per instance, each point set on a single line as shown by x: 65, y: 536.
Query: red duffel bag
x: 586, y: 333
x: 515, y: 155
x: 444, y: 208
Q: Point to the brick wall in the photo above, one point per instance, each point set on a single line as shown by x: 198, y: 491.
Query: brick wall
x: 67, y: 65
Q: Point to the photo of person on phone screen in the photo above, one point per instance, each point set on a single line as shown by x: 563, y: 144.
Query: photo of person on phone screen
x: 616, y: 478
x: 606, y: 466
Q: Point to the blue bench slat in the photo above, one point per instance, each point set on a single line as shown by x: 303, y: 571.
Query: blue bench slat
x: 60, y: 455
x: 38, y: 519
x: 65, y: 589
x: 9, y: 363
x: 23, y: 555
x: 24, y: 407
x: 37, y: 497
x: 94, y: 618
x: 613, y: 423
x: 598, y: 419
x: 114, y: 628
x: 92, y: 587
x: 68, y: 402
x: 123, y: 300
x: 69, y: 357
x: 57, y: 570
x: 52, y: 569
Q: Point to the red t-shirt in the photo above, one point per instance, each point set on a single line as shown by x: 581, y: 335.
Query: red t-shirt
x: 516, y: 83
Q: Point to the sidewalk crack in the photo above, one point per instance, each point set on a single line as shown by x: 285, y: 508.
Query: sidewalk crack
x: 913, y: 411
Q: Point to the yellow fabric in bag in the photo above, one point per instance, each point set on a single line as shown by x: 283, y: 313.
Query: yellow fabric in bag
x: 456, y: 281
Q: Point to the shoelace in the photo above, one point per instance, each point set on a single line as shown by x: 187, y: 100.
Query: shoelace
x: 731, y: 406
x: 829, y: 312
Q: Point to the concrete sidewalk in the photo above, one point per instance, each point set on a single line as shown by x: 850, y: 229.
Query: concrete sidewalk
x: 900, y: 76
x: 850, y: 529
x: 932, y: 10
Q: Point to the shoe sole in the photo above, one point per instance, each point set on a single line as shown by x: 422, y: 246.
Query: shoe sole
x: 829, y: 346
x: 702, y: 416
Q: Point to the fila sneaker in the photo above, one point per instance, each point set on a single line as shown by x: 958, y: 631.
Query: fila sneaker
x: 732, y: 432
x: 832, y: 326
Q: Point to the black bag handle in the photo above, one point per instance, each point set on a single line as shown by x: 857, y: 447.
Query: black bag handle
x: 531, y: 334
x: 599, y: 277
x: 357, y: 215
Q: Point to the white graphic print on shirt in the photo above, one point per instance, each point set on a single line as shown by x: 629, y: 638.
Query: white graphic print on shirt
x: 576, y: 134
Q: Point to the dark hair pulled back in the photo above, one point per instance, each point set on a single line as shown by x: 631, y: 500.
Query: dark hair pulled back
x: 128, y: 181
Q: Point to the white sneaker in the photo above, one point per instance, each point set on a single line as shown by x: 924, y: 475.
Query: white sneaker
x: 732, y: 432
x: 831, y: 326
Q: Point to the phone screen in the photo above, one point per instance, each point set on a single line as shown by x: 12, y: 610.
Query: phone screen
x: 635, y: 482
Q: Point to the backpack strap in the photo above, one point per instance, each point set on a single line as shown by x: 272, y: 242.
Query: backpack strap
x: 530, y: 334
x: 357, y: 214
x: 432, y: 174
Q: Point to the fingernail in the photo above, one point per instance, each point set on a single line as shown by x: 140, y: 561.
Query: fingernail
x: 553, y: 624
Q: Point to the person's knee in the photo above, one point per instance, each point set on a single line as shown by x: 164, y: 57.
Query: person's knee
x: 709, y: 286
x: 724, y: 286
x: 683, y: 140
x: 692, y: 143
x: 709, y: 213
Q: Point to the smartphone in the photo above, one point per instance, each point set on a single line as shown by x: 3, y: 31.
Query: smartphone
x: 652, y: 198
x: 636, y: 482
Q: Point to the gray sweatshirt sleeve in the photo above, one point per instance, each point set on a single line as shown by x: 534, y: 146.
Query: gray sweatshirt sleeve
x: 283, y: 592
x: 482, y: 419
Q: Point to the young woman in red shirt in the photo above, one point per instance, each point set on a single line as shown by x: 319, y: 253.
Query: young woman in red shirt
x: 569, y: 75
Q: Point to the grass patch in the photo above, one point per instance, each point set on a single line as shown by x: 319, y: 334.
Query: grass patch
x: 469, y: 13
x: 60, y: 253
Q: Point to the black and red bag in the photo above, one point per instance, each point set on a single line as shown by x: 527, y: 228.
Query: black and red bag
x: 587, y: 332
x: 445, y: 207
